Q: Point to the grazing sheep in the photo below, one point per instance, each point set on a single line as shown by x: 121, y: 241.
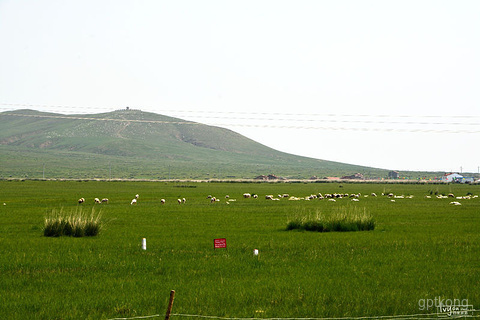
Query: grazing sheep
x: 247, y: 195
x: 81, y: 200
x: 269, y: 197
x: 162, y: 201
x: 134, y: 201
x: 456, y: 203
x: 179, y: 201
x: 97, y: 200
x: 213, y: 199
x: 373, y: 194
x: 255, y: 196
x: 184, y: 200
x: 105, y: 200
x: 136, y: 196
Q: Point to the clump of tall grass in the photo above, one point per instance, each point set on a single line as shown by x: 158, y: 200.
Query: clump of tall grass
x: 343, y: 219
x: 73, y: 224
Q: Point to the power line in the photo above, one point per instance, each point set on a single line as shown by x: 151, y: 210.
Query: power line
x: 58, y: 107
x: 385, y: 123
x: 252, y: 125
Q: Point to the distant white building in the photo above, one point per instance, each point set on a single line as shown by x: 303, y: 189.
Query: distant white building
x: 453, y: 177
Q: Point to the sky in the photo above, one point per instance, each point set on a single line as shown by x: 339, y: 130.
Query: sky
x: 386, y: 84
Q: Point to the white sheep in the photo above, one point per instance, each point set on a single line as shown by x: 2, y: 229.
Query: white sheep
x: 105, y: 200
x: 134, y: 201
x: 162, y: 201
x: 81, y: 200
x: 97, y: 200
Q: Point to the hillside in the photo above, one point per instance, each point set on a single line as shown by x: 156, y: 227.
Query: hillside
x: 137, y: 144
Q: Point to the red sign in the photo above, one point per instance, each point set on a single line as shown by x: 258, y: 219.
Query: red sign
x: 219, y: 243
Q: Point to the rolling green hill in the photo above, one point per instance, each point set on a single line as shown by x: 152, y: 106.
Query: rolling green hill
x: 128, y: 144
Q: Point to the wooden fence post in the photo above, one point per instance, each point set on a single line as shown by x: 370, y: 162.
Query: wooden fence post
x: 170, y: 305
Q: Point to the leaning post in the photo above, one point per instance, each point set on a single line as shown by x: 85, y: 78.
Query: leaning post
x: 170, y: 305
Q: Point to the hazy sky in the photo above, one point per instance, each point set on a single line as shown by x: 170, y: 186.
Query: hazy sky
x: 388, y: 84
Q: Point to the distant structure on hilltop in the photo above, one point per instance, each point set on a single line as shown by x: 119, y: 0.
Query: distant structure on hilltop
x: 129, y: 109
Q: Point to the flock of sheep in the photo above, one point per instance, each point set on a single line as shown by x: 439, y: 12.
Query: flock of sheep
x: 328, y: 196
x: 451, y: 195
x: 133, y: 202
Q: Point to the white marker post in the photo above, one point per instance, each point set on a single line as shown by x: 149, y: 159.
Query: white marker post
x: 144, y: 244
x: 255, y: 252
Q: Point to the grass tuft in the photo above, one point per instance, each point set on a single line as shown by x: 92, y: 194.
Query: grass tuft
x: 343, y: 219
x: 73, y: 224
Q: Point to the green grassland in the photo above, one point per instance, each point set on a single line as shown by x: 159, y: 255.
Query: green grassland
x: 420, y: 249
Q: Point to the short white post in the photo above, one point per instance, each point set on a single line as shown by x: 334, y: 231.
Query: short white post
x: 144, y: 244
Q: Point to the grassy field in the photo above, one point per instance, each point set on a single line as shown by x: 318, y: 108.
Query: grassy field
x: 420, y: 249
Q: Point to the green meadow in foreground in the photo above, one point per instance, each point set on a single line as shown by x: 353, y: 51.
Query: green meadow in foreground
x: 421, y: 249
